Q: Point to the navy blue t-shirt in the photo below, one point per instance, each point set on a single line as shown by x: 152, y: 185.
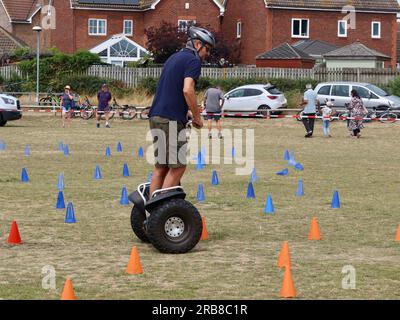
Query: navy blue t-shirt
x: 169, y: 101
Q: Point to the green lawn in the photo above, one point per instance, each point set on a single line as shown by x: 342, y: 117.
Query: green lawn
x: 239, y: 259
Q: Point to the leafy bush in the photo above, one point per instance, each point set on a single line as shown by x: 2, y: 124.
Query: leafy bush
x: 394, y: 86
x: 56, y: 68
x: 147, y: 85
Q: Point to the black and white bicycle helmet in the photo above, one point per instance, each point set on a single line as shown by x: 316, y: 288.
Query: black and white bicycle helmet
x: 205, y: 36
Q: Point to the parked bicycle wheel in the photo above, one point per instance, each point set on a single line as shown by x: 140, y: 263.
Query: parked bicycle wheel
x: 87, y: 113
x: 389, y: 117
x: 129, y: 113
x: 144, y: 115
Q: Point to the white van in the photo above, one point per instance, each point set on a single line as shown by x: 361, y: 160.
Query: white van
x: 10, y: 109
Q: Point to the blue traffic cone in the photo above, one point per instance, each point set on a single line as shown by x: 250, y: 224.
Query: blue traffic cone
x: 140, y: 153
x: 27, y: 151
x: 200, y: 161
x: 269, y: 206
x: 200, y: 193
x: 66, y: 150
x: 149, y: 176
x: 298, y: 167
x: 70, y: 214
x: 125, y: 171
x: 233, y: 152
x: 300, y: 189
x: 335, y: 201
x: 97, y: 173
x: 214, y: 179
x: 61, y: 146
x: 254, y: 177
x: 60, y: 182
x: 124, y: 197
x: 284, y: 172
x: 108, y: 152
x: 60, y: 201
x: 119, y: 147
x: 250, y: 191
x: 24, y: 176
x: 292, y: 162
x: 2, y: 145
x: 287, y: 156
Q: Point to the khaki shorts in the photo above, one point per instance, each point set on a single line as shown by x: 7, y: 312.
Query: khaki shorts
x: 171, y: 154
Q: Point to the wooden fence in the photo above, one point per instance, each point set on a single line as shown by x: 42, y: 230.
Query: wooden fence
x: 7, y: 71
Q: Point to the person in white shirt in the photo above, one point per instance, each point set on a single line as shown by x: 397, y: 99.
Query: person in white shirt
x: 310, y: 103
x: 326, y: 118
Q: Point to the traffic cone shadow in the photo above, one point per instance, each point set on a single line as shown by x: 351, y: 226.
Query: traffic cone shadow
x: 134, y: 265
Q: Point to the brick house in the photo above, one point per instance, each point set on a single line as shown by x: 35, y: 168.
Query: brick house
x: 288, y: 21
x: 17, y: 19
x: 86, y: 24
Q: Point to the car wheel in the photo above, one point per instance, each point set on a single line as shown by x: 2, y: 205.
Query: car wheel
x: 2, y: 122
x: 264, y: 110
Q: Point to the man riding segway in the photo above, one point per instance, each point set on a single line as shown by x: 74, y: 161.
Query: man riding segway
x: 161, y: 215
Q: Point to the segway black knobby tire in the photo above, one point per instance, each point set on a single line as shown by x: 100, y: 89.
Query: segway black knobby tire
x: 174, y: 208
x: 138, y: 219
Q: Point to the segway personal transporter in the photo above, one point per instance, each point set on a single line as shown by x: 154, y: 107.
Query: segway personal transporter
x: 166, y: 220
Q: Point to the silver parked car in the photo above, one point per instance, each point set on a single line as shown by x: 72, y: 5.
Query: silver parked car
x: 372, y: 96
x: 254, y: 98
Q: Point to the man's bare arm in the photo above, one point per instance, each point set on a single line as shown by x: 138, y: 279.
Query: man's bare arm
x: 191, y: 100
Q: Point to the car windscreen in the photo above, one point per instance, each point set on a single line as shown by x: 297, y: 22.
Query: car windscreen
x: 377, y: 90
x: 272, y: 90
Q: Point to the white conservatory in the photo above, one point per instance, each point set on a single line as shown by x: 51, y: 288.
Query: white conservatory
x: 118, y: 50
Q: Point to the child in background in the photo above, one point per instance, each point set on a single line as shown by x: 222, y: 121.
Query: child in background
x: 326, y: 118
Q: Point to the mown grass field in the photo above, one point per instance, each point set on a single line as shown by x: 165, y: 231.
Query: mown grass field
x: 239, y: 259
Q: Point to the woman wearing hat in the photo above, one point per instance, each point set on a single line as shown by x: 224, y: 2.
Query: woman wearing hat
x: 67, y: 102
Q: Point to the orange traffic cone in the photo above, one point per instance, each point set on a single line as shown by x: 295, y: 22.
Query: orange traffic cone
x: 68, y: 292
x: 314, y: 230
x: 398, y: 233
x: 288, y: 290
x: 284, y: 256
x: 14, y: 237
x: 204, y: 233
x: 134, y: 265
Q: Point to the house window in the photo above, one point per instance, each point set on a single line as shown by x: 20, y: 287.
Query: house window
x: 376, y: 30
x: 380, y: 64
x: 239, y: 29
x: 97, y: 27
x: 128, y: 27
x: 300, y: 28
x: 342, y: 28
x: 183, y: 25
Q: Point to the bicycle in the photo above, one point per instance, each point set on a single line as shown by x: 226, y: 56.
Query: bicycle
x: 126, y: 112
x: 50, y: 100
x: 144, y: 114
x: 384, y: 114
x: 86, y: 109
